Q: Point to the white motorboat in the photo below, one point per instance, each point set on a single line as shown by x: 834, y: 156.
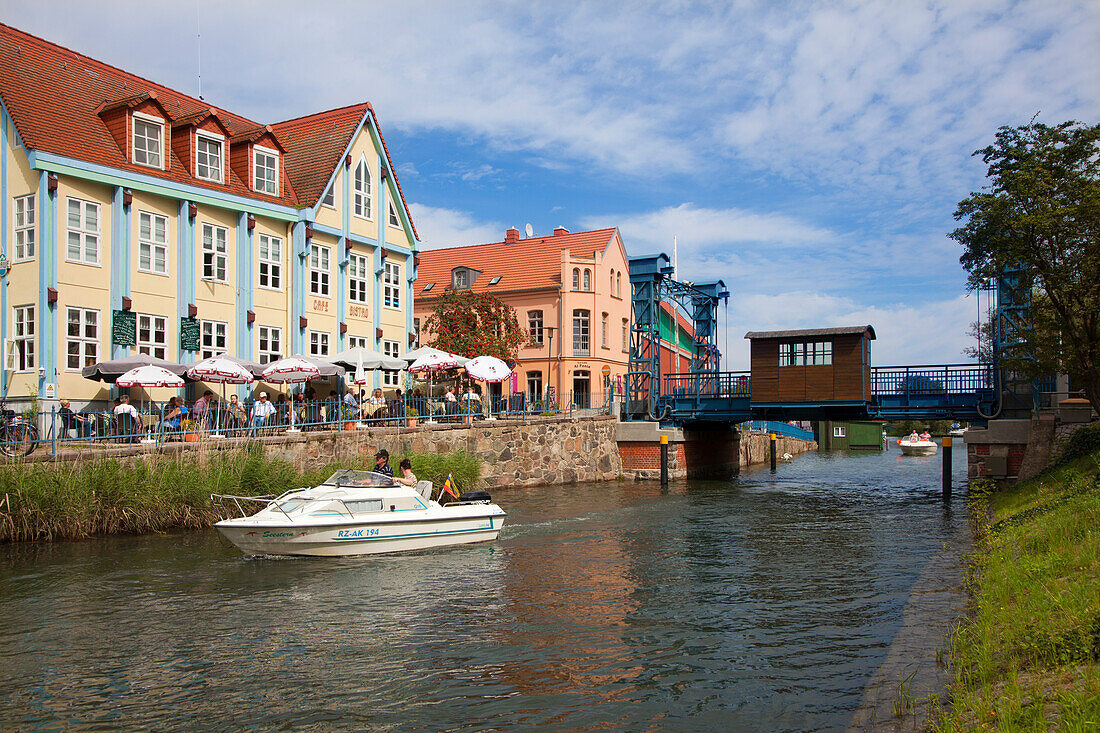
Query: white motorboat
x: 918, y: 447
x: 357, y: 513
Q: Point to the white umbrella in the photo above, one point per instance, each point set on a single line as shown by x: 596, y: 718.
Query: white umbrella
x: 488, y: 369
x: 292, y: 369
x: 431, y: 362
x: 220, y: 369
x: 149, y: 376
x: 415, y: 354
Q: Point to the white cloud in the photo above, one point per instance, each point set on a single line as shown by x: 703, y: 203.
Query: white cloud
x: 440, y: 227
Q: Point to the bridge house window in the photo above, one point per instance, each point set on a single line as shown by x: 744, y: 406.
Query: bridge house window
x: 806, y: 353
x: 580, y: 332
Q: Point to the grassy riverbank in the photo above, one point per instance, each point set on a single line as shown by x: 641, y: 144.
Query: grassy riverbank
x: 41, y: 501
x: 1027, y: 657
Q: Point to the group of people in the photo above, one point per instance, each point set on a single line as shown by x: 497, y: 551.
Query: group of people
x: 382, y: 466
x: 925, y: 436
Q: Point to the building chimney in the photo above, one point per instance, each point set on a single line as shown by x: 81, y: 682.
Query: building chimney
x: 558, y: 231
x: 511, y: 235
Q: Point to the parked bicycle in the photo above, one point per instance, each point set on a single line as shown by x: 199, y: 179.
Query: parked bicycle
x: 17, y: 436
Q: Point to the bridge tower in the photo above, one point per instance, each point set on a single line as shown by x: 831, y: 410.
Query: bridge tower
x: 651, y: 284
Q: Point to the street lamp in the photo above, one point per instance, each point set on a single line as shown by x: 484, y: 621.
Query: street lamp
x: 549, y: 357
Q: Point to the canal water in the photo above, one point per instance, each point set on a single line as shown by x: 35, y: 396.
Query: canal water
x: 763, y: 603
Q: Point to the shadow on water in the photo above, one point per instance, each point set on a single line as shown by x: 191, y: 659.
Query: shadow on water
x: 766, y: 602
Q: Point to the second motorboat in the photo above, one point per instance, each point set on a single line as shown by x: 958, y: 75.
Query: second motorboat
x: 357, y: 513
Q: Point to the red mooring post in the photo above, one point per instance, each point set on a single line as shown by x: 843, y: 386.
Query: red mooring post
x: 947, y: 467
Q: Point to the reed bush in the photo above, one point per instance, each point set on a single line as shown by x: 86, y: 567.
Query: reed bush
x: 40, y: 501
x: 1027, y: 657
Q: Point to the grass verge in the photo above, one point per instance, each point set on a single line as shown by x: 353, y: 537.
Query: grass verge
x: 41, y: 501
x: 1027, y: 656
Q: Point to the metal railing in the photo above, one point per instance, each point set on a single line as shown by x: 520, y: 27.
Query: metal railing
x: 708, y: 384
x: 931, y: 380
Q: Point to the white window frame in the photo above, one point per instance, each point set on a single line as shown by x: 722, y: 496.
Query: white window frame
x: 24, y: 217
x: 358, y: 278
x: 317, y: 339
x: 152, y: 243
x: 219, y: 140
x: 265, y: 336
x: 391, y: 285
x: 460, y: 279
x: 155, y: 122
x: 576, y: 278
x: 605, y: 335
x: 270, y: 267
x: 329, y: 199
x: 391, y: 378
x: 150, y: 346
x: 535, y: 327
x: 87, y: 347
x: 217, y: 331
x: 394, y: 219
x: 587, y: 280
x: 23, y: 337
x: 582, y: 332
x: 84, y: 233
x: 320, y: 278
x: 259, y: 151
x: 362, y: 198
x: 840, y: 431
x: 214, y: 254
x: 358, y: 342
x: 534, y: 377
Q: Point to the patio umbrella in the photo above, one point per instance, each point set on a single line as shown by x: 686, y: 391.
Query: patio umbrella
x: 296, y: 370
x: 223, y: 370
x: 487, y: 369
x: 110, y: 371
x: 149, y: 376
x: 254, y: 368
x: 431, y: 362
x: 425, y: 350
x: 361, y: 358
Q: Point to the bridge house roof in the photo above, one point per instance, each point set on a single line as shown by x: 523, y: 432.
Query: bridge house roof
x: 813, y: 332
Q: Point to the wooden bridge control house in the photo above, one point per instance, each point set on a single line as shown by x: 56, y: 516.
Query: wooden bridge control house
x: 808, y: 371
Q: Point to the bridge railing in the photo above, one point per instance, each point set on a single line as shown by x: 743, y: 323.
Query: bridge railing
x: 930, y: 380
x: 708, y: 384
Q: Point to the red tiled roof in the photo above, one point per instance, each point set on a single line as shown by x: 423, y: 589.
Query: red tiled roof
x: 53, y: 95
x: 522, y: 265
x: 315, y: 145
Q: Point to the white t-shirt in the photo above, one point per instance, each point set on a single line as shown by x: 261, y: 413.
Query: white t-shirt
x: 451, y: 397
x: 127, y: 409
x: 263, y: 409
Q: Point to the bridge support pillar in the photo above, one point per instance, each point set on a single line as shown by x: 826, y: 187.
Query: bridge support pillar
x: 709, y: 451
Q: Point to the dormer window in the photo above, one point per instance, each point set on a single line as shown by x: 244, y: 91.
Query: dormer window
x: 209, y: 156
x: 461, y: 280
x: 148, y: 142
x: 265, y: 167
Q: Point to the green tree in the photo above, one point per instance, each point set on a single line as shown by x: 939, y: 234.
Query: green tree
x: 474, y: 324
x: 1041, y: 213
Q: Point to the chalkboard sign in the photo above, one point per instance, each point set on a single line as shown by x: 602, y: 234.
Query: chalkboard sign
x: 189, y: 334
x: 124, y: 328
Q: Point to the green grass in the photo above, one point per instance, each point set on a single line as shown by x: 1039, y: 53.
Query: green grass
x: 1027, y: 656
x: 41, y: 501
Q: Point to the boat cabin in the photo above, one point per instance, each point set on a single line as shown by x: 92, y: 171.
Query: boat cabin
x: 817, y: 367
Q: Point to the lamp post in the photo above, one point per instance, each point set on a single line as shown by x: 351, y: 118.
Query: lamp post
x: 549, y: 359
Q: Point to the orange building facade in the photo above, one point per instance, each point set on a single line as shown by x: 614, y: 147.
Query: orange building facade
x: 571, y: 293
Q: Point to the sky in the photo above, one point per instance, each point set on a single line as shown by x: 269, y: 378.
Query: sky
x: 809, y: 155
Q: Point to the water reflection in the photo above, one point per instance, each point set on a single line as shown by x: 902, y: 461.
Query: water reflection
x: 765, y: 602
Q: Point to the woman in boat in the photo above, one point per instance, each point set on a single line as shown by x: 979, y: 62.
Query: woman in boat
x: 407, y: 477
x: 926, y: 436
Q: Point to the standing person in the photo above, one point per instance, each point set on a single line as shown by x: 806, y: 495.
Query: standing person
x: 407, y: 477
x: 382, y: 462
x: 235, y: 412
x: 262, y: 411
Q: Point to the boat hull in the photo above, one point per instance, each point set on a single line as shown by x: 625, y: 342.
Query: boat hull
x: 359, y: 538
x: 919, y: 448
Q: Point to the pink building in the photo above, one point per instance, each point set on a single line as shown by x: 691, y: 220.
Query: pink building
x: 570, y: 291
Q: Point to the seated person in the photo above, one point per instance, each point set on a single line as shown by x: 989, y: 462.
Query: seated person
x: 471, y: 401
x: 382, y: 462
x: 282, y: 410
x: 173, y: 415
x: 73, y: 421
x: 351, y: 404
x: 234, y: 412
x: 377, y: 404
x: 407, y: 477
x: 127, y: 419
x: 262, y: 411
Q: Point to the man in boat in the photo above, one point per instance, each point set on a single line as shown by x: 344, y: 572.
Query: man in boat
x: 926, y: 436
x: 913, y: 437
x: 382, y: 462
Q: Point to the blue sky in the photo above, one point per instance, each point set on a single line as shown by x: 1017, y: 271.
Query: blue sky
x: 808, y: 154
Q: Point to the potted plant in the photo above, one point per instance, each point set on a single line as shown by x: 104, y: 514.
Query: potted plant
x: 348, y: 416
x: 411, y: 417
x: 188, y: 429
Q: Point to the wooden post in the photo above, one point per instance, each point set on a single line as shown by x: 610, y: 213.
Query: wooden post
x: 946, y: 467
x: 664, y: 461
x: 771, y: 443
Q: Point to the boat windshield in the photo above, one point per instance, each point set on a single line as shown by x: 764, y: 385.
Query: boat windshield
x: 358, y: 478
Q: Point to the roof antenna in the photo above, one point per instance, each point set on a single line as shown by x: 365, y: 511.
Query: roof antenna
x: 198, y: 35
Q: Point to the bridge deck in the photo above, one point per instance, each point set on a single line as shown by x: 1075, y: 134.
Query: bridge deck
x: 958, y: 391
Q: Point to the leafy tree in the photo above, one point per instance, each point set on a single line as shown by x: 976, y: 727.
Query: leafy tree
x: 474, y: 324
x: 1040, y: 213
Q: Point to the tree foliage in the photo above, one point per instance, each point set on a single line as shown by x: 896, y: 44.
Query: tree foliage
x: 475, y: 324
x: 1040, y: 214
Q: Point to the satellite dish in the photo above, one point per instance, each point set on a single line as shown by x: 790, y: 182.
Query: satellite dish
x: 530, y: 230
